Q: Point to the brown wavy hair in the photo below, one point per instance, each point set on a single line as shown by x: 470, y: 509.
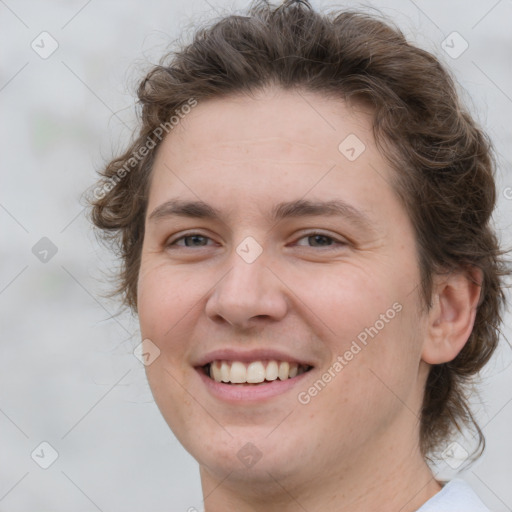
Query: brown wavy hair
x: 443, y: 162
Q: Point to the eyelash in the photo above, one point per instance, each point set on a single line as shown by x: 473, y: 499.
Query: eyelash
x: 307, y: 235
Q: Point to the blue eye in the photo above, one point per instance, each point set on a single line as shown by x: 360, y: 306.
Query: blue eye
x: 321, y: 239
x: 318, y: 240
x: 196, y: 240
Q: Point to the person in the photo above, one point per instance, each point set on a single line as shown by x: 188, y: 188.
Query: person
x: 304, y: 225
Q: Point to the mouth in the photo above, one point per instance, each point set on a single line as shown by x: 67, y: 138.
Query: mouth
x: 254, y: 373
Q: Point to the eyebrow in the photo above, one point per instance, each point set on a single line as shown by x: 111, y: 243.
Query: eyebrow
x: 290, y: 209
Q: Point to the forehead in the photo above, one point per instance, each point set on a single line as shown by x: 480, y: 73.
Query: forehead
x: 273, y: 122
x: 276, y: 146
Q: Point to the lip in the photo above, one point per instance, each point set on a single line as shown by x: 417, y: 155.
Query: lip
x: 238, y: 394
x: 249, y: 356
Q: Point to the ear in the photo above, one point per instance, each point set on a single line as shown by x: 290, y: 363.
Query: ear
x: 455, y: 298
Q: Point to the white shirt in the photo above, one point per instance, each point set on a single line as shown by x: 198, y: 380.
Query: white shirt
x: 455, y: 496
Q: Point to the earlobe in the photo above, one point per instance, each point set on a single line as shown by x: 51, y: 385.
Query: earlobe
x: 452, y: 315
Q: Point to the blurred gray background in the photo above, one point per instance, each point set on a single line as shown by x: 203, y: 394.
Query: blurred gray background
x: 67, y: 373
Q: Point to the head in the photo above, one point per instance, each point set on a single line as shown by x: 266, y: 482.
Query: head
x: 287, y: 105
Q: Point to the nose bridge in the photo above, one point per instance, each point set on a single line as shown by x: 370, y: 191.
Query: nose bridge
x: 248, y: 290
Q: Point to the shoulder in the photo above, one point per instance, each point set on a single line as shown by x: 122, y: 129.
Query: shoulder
x: 455, y: 496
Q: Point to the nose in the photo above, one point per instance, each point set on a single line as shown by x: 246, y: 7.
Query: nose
x: 249, y: 293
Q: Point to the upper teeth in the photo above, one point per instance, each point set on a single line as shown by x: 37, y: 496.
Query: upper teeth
x: 237, y: 372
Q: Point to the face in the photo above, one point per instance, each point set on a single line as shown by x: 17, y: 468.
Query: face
x: 263, y: 281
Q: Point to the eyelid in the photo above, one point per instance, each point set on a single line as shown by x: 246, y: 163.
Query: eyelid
x: 172, y: 242
x: 337, y: 239
x: 303, y: 234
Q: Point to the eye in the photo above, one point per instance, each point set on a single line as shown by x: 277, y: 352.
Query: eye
x: 190, y: 240
x: 317, y: 239
x: 321, y: 240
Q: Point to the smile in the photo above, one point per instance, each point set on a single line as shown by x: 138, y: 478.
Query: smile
x: 255, y: 372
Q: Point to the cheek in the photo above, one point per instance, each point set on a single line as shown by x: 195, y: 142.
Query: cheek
x: 347, y: 299
x: 164, y: 297
x: 371, y: 323
x: 165, y: 310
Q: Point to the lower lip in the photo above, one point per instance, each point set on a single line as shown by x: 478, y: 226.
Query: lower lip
x: 251, y: 392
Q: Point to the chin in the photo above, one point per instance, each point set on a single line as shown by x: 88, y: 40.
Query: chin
x: 252, y: 459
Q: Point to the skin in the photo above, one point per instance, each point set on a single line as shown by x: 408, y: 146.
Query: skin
x: 355, y: 445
